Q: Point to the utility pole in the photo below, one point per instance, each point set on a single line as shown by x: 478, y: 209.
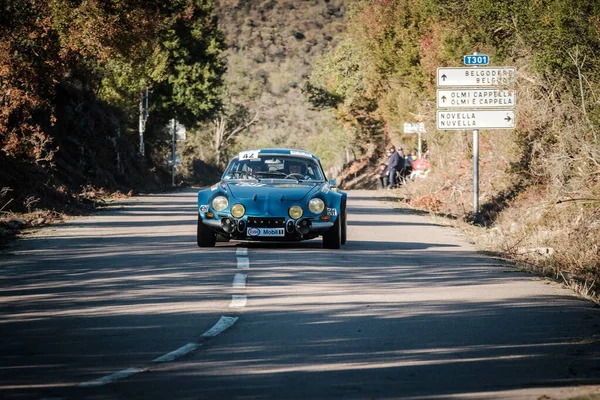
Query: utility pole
x: 143, y: 117
x: 173, y: 152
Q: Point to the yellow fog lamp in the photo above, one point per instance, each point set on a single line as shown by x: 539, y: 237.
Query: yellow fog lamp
x: 238, y: 210
x: 295, y: 212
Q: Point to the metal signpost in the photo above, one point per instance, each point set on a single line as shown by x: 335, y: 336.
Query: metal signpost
x: 143, y: 118
x: 416, y: 127
x: 476, y: 98
x: 178, y: 134
x: 174, y: 130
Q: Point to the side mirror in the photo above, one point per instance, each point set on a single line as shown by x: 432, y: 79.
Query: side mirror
x: 332, y: 183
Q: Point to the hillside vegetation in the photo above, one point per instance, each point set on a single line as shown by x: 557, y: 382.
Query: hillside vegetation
x: 71, y: 74
x: 272, y: 45
x: 540, y: 183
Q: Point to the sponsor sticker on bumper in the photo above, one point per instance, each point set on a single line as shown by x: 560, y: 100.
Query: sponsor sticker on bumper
x: 266, y: 232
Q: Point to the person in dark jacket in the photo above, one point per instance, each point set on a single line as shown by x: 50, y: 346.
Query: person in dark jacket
x: 383, y: 176
x: 393, y: 166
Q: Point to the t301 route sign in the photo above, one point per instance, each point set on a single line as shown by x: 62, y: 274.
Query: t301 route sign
x: 476, y: 59
x: 475, y: 119
x: 476, y: 77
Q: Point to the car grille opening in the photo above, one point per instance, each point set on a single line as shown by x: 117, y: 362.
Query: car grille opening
x: 266, y: 222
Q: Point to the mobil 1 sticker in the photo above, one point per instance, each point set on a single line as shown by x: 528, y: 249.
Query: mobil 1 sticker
x: 265, y: 232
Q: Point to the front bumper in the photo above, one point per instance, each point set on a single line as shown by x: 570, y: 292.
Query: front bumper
x: 301, y: 229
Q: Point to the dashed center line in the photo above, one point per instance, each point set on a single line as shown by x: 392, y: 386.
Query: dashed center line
x: 188, y: 348
x: 243, y: 263
x: 239, y: 280
x: 238, y: 301
x: 113, y: 377
x: 225, y: 322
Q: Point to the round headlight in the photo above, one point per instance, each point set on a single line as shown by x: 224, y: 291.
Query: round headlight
x: 220, y: 203
x: 295, y: 212
x: 316, y: 205
x: 238, y: 210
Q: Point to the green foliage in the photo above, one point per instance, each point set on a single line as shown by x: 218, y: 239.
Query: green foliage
x: 272, y: 45
x: 71, y: 74
x: 194, y: 67
x: 393, y: 47
x: 551, y: 158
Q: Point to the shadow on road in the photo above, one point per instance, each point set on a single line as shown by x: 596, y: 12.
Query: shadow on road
x: 135, y: 281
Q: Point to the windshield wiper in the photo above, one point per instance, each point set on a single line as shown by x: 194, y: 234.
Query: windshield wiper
x: 272, y: 173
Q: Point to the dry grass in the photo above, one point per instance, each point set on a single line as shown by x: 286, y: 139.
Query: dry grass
x: 539, y: 186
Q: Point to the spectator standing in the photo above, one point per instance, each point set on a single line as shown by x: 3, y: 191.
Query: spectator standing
x: 393, y: 166
x: 401, y: 166
x: 383, y: 176
x: 408, y: 164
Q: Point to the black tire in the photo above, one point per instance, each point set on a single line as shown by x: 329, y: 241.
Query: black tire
x: 221, y: 238
x: 205, y: 236
x: 332, y: 239
x: 344, y: 227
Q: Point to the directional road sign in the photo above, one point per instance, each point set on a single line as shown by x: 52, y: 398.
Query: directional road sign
x: 476, y: 77
x: 479, y: 59
x: 475, y: 119
x: 476, y: 98
x: 414, y: 127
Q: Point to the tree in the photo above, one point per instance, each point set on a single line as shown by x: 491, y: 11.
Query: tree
x: 194, y: 67
x: 227, y: 126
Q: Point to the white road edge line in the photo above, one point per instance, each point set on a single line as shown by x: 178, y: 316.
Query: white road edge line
x: 243, y: 263
x: 182, y: 351
x: 113, y: 377
x: 239, y: 280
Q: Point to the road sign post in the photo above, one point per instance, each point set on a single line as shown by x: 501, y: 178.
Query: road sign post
x: 418, y: 128
x: 476, y: 98
x: 174, y: 129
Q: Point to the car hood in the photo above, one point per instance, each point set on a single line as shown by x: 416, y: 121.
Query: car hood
x: 281, y: 191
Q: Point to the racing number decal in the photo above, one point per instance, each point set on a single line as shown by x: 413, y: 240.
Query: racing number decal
x: 247, y: 155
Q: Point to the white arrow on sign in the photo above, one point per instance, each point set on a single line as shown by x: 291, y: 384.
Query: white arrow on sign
x: 476, y: 98
x: 475, y: 119
x: 476, y: 77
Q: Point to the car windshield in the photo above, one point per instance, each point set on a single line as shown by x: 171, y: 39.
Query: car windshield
x: 274, y: 167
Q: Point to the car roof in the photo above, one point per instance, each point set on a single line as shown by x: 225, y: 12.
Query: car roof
x: 277, y: 151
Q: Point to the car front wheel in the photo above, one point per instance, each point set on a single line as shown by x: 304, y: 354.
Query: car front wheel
x: 332, y: 239
x: 205, y: 236
x: 344, y: 218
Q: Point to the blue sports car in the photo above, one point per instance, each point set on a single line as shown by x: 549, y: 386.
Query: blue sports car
x: 273, y: 195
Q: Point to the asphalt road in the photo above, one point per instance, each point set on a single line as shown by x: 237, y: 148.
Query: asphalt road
x: 124, y: 305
